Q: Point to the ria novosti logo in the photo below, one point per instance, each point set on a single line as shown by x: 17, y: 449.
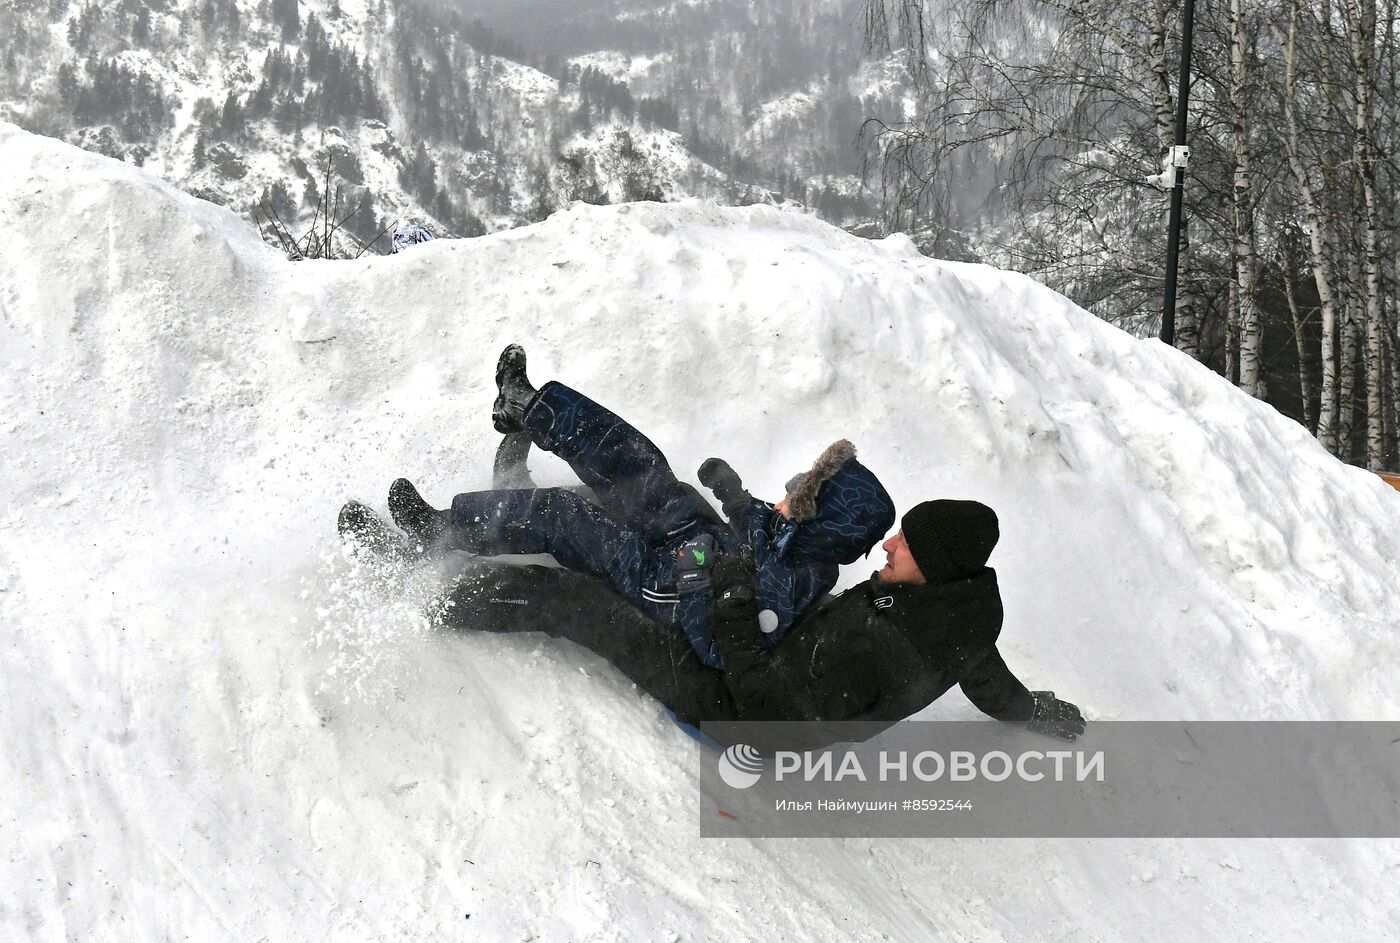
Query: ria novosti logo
x: 740, y: 766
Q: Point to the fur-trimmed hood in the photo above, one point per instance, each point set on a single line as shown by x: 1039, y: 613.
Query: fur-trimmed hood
x: 839, y: 509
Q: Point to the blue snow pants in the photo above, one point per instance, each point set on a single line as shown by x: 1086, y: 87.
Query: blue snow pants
x: 629, y: 538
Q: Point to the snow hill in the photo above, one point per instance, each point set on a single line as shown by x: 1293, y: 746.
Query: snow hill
x: 212, y: 731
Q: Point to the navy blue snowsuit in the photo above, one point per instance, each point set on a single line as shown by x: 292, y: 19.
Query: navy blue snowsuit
x: 644, y: 515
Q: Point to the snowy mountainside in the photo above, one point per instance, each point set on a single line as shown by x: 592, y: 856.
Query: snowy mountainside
x: 782, y: 85
x: 422, y: 114
x: 220, y: 730
x: 622, y: 66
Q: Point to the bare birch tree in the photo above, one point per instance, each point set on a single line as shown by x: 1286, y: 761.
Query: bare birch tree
x: 1291, y: 197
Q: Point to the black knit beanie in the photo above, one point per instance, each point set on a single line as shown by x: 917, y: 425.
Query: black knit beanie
x: 950, y: 540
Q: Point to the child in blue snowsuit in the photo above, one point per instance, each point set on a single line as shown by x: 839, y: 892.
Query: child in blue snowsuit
x: 650, y: 537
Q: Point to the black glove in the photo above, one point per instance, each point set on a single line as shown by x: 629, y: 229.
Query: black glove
x: 734, y: 581
x: 694, y: 560
x: 735, y: 615
x: 716, y: 475
x: 1054, y: 717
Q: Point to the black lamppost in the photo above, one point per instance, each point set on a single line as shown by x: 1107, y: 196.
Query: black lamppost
x: 1173, y: 175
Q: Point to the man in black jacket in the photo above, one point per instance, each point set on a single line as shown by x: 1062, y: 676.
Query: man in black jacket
x: 877, y: 653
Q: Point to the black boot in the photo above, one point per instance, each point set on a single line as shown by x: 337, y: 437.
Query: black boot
x: 516, y: 393
x: 416, y: 517
x: 511, y: 469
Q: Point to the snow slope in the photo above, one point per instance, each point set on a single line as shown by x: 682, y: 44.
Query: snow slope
x: 215, y: 728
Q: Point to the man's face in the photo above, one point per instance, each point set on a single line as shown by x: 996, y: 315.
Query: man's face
x: 900, y: 566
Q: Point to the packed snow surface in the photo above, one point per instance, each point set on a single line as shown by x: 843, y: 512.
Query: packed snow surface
x: 217, y: 727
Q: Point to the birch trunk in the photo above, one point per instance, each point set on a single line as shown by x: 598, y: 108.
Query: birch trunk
x: 1246, y: 315
x: 1232, y: 321
x: 1361, y: 36
x: 1393, y: 370
x: 1304, y: 375
x: 1318, y: 239
x: 1346, y: 393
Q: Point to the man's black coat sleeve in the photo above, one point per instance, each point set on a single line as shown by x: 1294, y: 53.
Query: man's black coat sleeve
x: 991, y: 686
x: 764, y: 686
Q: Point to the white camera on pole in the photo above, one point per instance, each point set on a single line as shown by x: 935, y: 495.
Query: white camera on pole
x: 1172, y: 166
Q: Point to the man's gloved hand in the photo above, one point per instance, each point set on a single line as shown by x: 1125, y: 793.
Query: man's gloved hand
x: 716, y: 475
x: 694, y: 560
x: 734, y: 581
x: 1054, y: 717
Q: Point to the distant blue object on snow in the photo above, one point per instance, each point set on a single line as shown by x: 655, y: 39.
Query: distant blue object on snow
x: 410, y: 235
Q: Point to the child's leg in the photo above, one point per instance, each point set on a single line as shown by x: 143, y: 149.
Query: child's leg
x: 579, y: 534
x: 628, y: 473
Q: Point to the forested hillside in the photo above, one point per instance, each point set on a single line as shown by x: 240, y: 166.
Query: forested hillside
x: 420, y: 112
x: 1039, y: 122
